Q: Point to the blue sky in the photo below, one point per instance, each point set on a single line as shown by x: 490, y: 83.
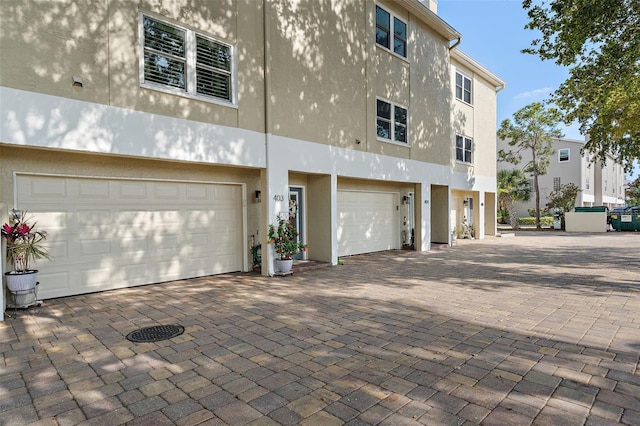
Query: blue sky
x: 493, y: 34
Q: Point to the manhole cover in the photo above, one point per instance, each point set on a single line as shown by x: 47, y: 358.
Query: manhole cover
x: 155, y: 333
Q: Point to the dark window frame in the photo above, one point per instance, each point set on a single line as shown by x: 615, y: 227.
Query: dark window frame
x: 392, y: 122
x: 464, y: 149
x: 393, y: 31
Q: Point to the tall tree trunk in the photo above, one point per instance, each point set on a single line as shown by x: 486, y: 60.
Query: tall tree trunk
x: 537, y: 188
x: 513, y: 216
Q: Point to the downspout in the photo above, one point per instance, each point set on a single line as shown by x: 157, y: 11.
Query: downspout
x: 454, y: 45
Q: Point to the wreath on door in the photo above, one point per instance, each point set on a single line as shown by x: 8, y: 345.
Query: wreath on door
x: 293, y: 208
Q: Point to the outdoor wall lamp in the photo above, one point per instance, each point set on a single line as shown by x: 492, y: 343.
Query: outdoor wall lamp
x: 405, y: 199
x: 465, y: 202
x: 258, y: 196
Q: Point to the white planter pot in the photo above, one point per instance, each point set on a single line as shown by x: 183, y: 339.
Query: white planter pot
x: 285, y: 265
x: 21, y: 282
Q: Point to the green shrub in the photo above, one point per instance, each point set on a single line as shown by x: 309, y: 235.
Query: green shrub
x: 543, y: 212
x: 531, y: 221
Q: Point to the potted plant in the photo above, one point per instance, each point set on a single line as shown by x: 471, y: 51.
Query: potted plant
x: 285, y: 240
x: 24, y: 245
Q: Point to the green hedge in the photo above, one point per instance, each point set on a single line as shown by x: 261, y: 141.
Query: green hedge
x: 544, y: 221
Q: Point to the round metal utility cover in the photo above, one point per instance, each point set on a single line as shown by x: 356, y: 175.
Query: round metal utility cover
x: 155, y: 333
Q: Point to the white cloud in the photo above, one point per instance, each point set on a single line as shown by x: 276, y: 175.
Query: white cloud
x: 534, y: 95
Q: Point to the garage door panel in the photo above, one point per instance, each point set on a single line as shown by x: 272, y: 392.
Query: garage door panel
x: 367, y: 222
x: 42, y: 188
x: 100, y: 190
x: 131, y: 190
x: 98, y: 277
x: 199, y: 242
x: 167, y: 191
x: 100, y: 247
x: 196, y: 192
x: 103, y: 235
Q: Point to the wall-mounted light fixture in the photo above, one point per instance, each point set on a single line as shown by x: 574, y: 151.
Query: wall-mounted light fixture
x: 405, y: 199
x: 466, y: 202
x: 78, y: 81
x: 258, y: 196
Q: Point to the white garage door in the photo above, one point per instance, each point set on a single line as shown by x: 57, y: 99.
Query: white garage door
x: 106, y: 234
x: 367, y: 222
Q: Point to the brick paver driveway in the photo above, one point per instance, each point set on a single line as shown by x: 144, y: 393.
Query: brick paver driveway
x: 543, y: 328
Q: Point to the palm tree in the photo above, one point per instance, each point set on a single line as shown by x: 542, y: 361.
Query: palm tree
x: 513, y: 187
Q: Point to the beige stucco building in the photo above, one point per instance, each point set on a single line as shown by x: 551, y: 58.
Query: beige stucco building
x: 600, y: 183
x: 157, y: 140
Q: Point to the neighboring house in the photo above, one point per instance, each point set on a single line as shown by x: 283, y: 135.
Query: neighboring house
x: 600, y: 184
x: 157, y: 141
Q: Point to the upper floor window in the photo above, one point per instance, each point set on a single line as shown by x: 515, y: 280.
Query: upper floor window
x: 179, y: 60
x: 388, y: 29
x: 391, y: 121
x: 563, y: 155
x: 464, y: 149
x: 463, y: 88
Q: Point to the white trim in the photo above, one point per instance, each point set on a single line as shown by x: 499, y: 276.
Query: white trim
x: 568, y: 160
x: 48, y: 121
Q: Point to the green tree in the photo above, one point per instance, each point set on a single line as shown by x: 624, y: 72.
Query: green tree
x: 564, y: 198
x: 632, y: 192
x: 599, y: 40
x: 531, y: 131
x: 513, y: 186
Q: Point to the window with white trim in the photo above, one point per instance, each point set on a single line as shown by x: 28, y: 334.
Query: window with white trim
x: 563, y: 155
x: 181, y: 61
x: 391, y: 121
x: 388, y: 29
x: 463, y: 87
x: 464, y: 149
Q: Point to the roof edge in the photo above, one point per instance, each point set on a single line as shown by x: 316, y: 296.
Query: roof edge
x: 460, y: 56
x: 430, y: 18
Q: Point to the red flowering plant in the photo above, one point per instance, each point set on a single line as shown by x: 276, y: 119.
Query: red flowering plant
x: 24, y: 243
x: 285, y: 239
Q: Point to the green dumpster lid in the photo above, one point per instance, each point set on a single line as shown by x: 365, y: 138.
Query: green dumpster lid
x: 591, y: 209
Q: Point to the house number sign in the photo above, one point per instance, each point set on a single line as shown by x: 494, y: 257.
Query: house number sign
x: 278, y: 198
